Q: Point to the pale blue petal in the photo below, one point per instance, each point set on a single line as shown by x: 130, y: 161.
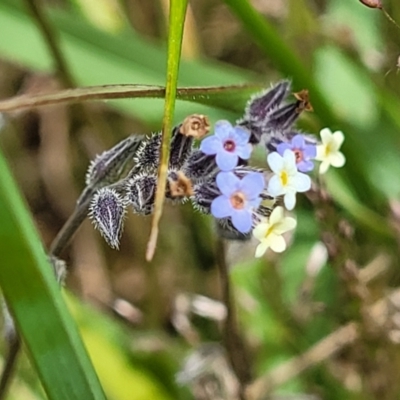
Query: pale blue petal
x: 223, y: 130
x: 242, y: 220
x: 282, y: 147
x: 211, y: 145
x: 221, y: 207
x: 240, y: 135
x: 298, y: 142
x: 226, y: 161
x: 305, y: 166
x: 228, y: 183
x: 244, y: 151
x: 252, y: 185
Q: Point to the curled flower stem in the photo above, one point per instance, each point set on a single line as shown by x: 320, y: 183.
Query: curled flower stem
x: 232, y: 339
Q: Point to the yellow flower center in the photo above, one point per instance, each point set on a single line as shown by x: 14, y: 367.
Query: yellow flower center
x: 284, y: 178
x: 328, y: 148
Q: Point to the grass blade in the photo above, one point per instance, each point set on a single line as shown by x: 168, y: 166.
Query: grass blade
x: 36, y: 304
x: 176, y: 23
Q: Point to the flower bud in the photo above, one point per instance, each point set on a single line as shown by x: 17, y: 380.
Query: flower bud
x: 107, y: 211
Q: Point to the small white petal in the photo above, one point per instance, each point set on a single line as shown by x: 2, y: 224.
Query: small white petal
x: 276, y: 216
x: 338, y: 138
x: 321, y: 152
x: 260, y: 230
x: 324, y: 167
x: 278, y: 244
x: 301, y: 182
x: 261, y: 249
x: 337, y: 159
x: 326, y: 135
x: 290, y: 159
x: 275, y: 162
x: 287, y: 224
x: 275, y: 187
x: 290, y: 200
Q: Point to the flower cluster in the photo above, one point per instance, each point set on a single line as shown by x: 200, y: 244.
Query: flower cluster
x: 218, y: 176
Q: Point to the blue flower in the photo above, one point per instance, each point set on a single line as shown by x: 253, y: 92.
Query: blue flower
x: 228, y: 144
x: 303, y: 152
x: 239, y: 197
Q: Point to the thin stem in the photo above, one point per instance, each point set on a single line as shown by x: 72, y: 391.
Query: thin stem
x: 233, y: 341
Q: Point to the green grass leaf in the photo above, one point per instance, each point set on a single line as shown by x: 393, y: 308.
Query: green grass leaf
x: 35, y: 301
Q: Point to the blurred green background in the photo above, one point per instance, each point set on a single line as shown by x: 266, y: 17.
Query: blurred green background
x: 138, y: 320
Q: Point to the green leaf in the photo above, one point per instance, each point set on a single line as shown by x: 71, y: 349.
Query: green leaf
x: 35, y: 302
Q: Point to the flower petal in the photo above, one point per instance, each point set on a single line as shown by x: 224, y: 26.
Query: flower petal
x: 338, y: 138
x: 277, y: 243
x: 222, y: 129
x: 244, y: 150
x: 226, y: 161
x: 290, y: 200
x: 282, y: 147
x: 242, y: 220
x: 252, y: 185
x: 301, y: 182
x: 260, y: 230
x: 240, y: 135
x: 305, y: 166
x: 275, y: 187
x: 287, y: 224
x: 324, y: 167
x: 261, y: 249
x: 276, y: 216
x: 310, y: 151
x: 211, y: 145
x: 221, y: 207
x: 275, y: 161
x: 326, y: 135
x: 337, y: 159
x: 298, y: 142
x: 227, y: 183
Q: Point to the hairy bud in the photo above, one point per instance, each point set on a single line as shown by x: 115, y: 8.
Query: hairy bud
x: 108, y: 166
x: 140, y: 193
x: 148, y: 155
x: 200, y: 166
x: 107, y: 211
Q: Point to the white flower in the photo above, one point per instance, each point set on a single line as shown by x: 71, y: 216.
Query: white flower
x: 287, y: 180
x: 270, y: 232
x: 328, y: 152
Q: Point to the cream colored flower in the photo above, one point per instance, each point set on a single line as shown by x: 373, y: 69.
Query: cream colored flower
x: 270, y: 232
x: 328, y: 152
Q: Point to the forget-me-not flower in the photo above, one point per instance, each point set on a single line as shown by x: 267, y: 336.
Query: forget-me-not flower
x: 228, y: 144
x: 328, y: 152
x: 287, y: 180
x: 239, y: 197
x: 270, y: 232
x: 303, y: 152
